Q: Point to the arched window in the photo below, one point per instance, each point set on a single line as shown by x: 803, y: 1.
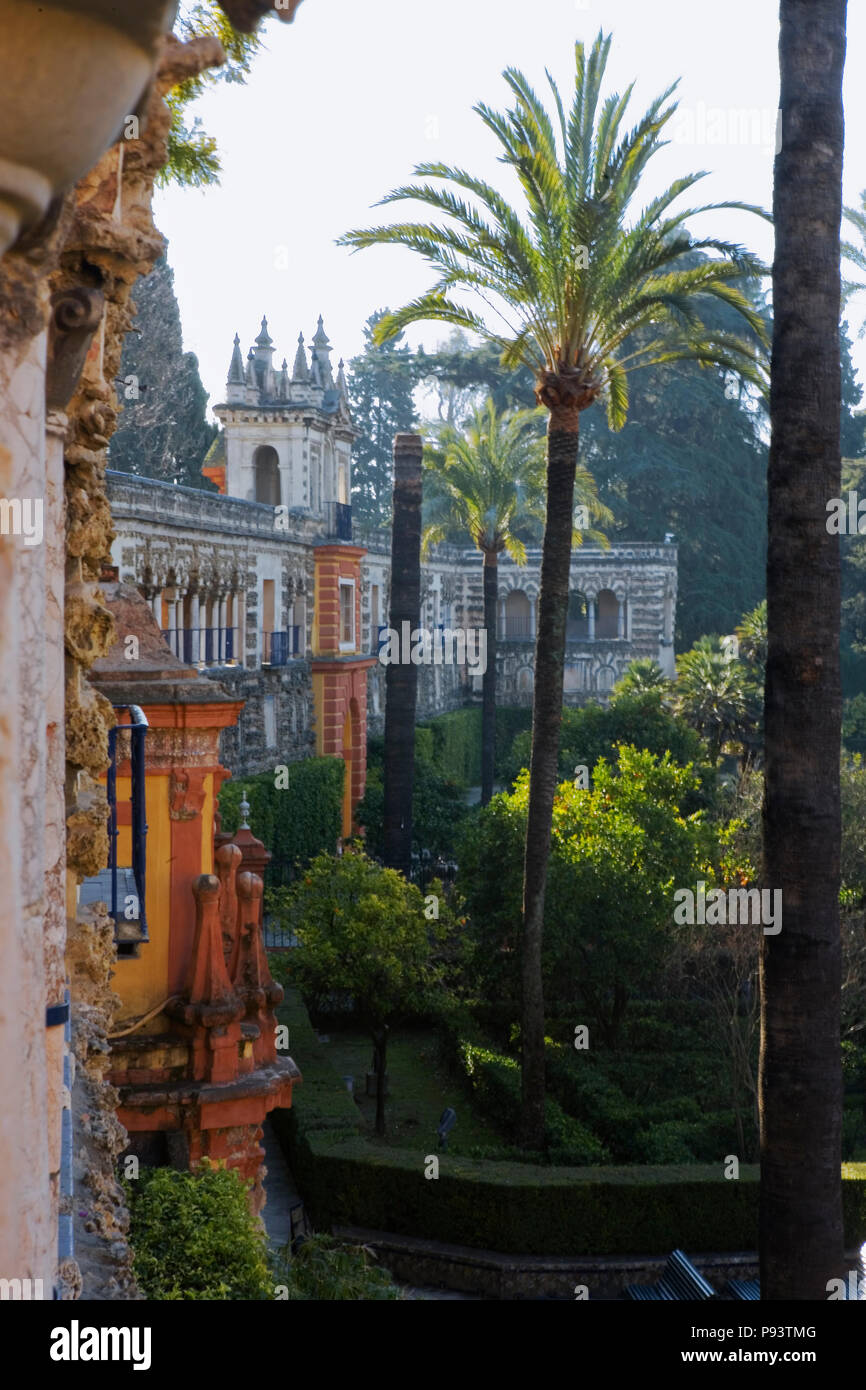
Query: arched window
x: 577, y: 626
x: 607, y: 622
x: 266, y: 465
x: 518, y: 616
x: 524, y: 680
x: 605, y: 680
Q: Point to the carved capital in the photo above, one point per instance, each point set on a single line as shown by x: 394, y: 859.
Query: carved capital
x: 75, y: 317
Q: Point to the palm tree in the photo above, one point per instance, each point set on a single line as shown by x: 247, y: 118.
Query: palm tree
x: 643, y: 677
x: 562, y: 286
x: 712, y: 694
x: 488, y: 480
x: 800, y: 1085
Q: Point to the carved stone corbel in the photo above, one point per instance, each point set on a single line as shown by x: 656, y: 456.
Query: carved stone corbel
x: 75, y: 316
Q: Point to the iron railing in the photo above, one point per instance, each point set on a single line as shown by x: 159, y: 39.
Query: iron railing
x: 339, y: 520
x: 137, y: 732
x: 280, y: 647
x: 212, y: 645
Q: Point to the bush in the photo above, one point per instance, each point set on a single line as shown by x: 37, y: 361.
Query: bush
x: 194, y: 1236
x: 593, y: 732
x: 438, y: 802
x: 295, y: 822
x: 326, y: 1270
x: 515, y: 1207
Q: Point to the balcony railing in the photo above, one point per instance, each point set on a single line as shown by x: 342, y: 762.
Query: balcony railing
x: 515, y: 629
x: 280, y: 647
x: 214, y: 646
x: 123, y: 887
x: 339, y: 520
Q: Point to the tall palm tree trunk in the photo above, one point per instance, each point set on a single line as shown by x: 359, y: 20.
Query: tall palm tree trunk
x: 488, y: 702
x: 800, y: 1086
x: 401, y: 679
x: 562, y: 446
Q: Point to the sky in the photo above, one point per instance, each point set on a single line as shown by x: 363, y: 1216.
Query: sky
x: 347, y: 99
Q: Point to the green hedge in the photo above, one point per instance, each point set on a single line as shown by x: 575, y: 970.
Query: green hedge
x: 295, y: 822
x: 194, y: 1237
x: 455, y: 742
x: 513, y: 1207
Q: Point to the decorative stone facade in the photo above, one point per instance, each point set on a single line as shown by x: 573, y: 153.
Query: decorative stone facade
x: 198, y: 557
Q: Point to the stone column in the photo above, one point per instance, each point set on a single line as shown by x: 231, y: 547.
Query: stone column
x: 590, y: 612
x: 172, y: 624
x: 620, y: 618
x: 194, y: 622
x: 223, y: 624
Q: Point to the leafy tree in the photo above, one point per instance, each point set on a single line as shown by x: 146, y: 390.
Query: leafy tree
x: 381, y: 383
x: 619, y: 850
x: 193, y: 160
x: 800, y: 1222
x: 639, y: 718
x: 463, y: 375
x: 572, y: 286
x: 438, y: 806
x: 164, y: 431
x: 485, y: 480
x: 363, y: 931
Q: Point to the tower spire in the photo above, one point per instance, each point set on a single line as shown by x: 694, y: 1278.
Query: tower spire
x: 301, y: 371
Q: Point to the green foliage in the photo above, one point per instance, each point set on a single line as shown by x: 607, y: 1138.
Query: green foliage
x: 363, y: 931
x: 165, y: 433
x: 294, y: 822
x: 328, y: 1270
x: 854, y: 724
x: 438, y: 801
x: 718, y: 696
x: 486, y: 480
x: 194, y: 1237
x: 381, y: 381
x: 642, y: 677
x: 636, y: 717
x: 192, y: 154
x: 618, y: 851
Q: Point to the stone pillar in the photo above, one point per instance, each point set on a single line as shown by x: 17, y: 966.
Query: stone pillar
x: 156, y: 606
x: 223, y: 624
x: 194, y: 622
x: 620, y: 618
x: 172, y: 625
x: 590, y: 611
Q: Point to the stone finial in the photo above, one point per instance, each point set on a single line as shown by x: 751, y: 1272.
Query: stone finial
x: 321, y: 339
x: 236, y: 367
x: 245, y: 811
x: 301, y: 371
x: 264, y: 339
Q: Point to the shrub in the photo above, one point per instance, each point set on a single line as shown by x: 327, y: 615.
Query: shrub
x: 295, y: 822
x: 326, y: 1270
x: 194, y: 1236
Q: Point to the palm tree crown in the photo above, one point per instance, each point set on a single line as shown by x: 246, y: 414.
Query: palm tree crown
x: 568, y: 282
x: 487, y: 480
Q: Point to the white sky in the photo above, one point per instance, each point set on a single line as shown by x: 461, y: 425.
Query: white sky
x: 351, y: 95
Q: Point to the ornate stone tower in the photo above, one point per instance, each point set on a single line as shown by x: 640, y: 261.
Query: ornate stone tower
x: 287, y: 439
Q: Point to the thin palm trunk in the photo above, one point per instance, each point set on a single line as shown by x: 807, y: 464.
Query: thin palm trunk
x: 800, y: 1087
x: 401, y: 678
x: 488, y: 705
x: 562, y: 444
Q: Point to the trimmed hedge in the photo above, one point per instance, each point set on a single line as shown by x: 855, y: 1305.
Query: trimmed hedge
x: 454, y: 745
x: 515, y: 1208
x: 295, y: 822
x: 194, y: 1237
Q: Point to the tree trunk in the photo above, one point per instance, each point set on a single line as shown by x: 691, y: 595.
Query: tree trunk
x: 800, y: 1086
x: 488, y: 705
x: 401, y: 678
x: 546, y: 720
x: 380, y: 1052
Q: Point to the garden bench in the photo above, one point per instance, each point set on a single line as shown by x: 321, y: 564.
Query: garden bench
x: 680, y: 1283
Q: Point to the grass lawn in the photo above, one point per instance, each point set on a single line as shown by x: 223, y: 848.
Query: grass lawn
x: 420, y: 1090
